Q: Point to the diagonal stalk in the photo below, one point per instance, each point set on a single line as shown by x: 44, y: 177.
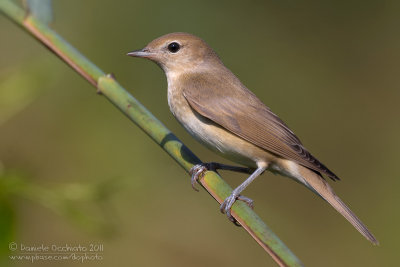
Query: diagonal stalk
x: 136, y: 112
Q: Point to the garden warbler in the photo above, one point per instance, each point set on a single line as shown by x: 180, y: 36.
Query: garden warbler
x: 219, y: 111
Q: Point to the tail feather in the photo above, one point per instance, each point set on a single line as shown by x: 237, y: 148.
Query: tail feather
x: 322, y: 188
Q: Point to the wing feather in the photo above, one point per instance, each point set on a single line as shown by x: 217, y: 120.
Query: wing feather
x: 242, y: 113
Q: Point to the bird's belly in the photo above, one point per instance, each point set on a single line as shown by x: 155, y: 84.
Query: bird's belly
x: 218, y: 139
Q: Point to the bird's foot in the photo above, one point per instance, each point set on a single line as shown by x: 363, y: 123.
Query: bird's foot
x: 197, y: 172
x: 228, y: 203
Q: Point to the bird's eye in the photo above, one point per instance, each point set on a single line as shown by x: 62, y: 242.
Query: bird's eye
x: 174, y: 47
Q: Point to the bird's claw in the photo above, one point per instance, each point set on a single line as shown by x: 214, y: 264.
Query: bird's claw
x: 228, y: 203
x: 249, y: 202
x: 197, y: 172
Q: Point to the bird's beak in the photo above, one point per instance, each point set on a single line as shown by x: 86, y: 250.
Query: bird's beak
x: 140, y: 53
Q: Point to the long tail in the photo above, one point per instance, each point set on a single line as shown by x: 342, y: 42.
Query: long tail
x: 322, y: 188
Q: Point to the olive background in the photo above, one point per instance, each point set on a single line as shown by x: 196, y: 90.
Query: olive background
x: 75, y: 171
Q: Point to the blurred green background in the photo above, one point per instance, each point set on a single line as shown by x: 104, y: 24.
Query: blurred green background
x: 74, y: 170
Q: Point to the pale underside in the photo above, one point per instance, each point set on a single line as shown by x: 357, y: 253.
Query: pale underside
x: 240, y: 113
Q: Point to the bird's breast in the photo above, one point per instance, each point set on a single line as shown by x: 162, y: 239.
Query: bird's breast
x: 212, y: 135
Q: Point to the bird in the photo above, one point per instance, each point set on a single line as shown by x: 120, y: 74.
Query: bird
x: 213, y: 105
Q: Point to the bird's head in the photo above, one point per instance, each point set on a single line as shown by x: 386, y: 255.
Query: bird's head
x: 178, y: 52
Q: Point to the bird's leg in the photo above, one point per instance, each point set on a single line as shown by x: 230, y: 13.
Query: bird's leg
x: 197, y: 171
x: 235, y: 195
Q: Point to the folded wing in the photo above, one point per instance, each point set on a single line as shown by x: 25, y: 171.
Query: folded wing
x: 243, y: 114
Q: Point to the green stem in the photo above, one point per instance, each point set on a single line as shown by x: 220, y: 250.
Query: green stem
x: 136, y: 112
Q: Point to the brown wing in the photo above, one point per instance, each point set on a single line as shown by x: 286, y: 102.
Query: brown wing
x: 226, y: 101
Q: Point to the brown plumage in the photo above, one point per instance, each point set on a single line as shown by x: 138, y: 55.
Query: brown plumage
x: 219, y: 111
x: 248, y: 118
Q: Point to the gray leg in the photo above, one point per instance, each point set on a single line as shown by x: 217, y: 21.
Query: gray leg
x: 219, y: 166
x: 229, y: 201
x: 198, y: 171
